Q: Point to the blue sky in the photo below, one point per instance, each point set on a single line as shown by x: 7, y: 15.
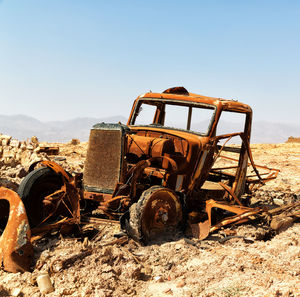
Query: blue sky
x: 62, y: 59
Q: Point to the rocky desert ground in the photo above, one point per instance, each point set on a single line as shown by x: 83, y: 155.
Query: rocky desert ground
x: 243, y: 260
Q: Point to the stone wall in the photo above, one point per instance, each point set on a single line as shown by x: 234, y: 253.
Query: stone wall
x: 16, y: 157
x: 14, y: 152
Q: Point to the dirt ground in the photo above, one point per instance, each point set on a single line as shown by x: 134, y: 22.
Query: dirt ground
x: 253, y: 262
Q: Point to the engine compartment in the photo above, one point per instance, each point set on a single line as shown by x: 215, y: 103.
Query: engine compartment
x: 145, y: 144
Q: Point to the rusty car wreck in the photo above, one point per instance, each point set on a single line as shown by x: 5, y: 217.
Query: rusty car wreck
x: 169, y: 168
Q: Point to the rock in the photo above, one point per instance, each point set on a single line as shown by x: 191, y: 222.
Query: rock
x: 21, y: 172
x: 180, y: 284
x: 37, y: 149
x: 3, y: 291
x: 7, y: 152
x: 34, y: 156
x: 16, y: 292
x: 44, y: 283
x: 15, y: 143
x: 5, y: 139
x: 146, y: 270
x: 178, y: 246
x: 136, y: 273
x: 25, y: 159
x: 278, y: 201
x: 34, y: 140
x: 280, y: 224
x: 189, y: 241
x: 158, y: 278
x: 11, y: 172
x: 10, y: 160
x: 30, y: 147
x: 85, y: 243
x: 59, y: 158
x: 23, y: 146
x: 18, y: 157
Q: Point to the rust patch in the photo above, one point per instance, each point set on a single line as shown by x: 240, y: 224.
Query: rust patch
x: 16, y: 251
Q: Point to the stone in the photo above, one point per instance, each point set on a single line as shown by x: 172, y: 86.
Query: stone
x: 168, y: 291
x: 21, y: 173
x: 44, y: 283
x: 158, y: 279
x: 136, y: 273
x: 16, y: 292
x: 278, y: 201
x: 146, y: 270
x: 85, y: 243
x: 11, y: 172
x: 30, y: 147
x: 9, y: 160
x: 34, y: 140
x: 6, y: 152
x: 5, y: 139
x: 15, y: 143
x: 18, y: 157
x: 280, y: 224
x: 23, y: 146
x: 59, y: 159
x: 180, y: 284
x: 34, y: 156
x: 37, y: 149
x: 25, y: 159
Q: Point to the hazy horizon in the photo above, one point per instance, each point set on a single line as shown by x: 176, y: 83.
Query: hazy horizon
x: 125, y: 118
x: 23, y: 127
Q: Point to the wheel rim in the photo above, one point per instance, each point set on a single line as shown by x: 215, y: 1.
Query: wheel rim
x: 33, y: 189
x: 36, y: 208
x: 160, y: 213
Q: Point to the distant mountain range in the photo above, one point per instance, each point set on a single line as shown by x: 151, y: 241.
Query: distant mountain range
x: 23, y: 127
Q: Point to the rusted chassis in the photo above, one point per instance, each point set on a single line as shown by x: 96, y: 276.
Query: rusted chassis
x: 124, y: 163
x: 149, y: 156
x: 152, y: 178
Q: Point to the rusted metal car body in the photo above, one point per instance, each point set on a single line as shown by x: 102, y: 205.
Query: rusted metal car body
x: 16, y: 251
x: 165, y: 168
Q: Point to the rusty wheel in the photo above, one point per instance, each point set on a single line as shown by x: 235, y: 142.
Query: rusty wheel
x: 34, y: 188
x: 157, y: 212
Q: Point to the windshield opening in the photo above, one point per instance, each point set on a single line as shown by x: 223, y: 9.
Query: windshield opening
x: 179, y: 115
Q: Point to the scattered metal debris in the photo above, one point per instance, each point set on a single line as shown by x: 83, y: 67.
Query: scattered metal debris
x: 49, y: 150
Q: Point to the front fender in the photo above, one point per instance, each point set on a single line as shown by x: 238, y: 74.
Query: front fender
x: 16, y: 251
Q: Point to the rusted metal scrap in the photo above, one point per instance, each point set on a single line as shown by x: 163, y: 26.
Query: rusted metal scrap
x: 16, y: 251
x: 49, y: 150
x: 48, y: 192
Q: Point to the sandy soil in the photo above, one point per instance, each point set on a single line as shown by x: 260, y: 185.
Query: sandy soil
x: 259, y: 263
